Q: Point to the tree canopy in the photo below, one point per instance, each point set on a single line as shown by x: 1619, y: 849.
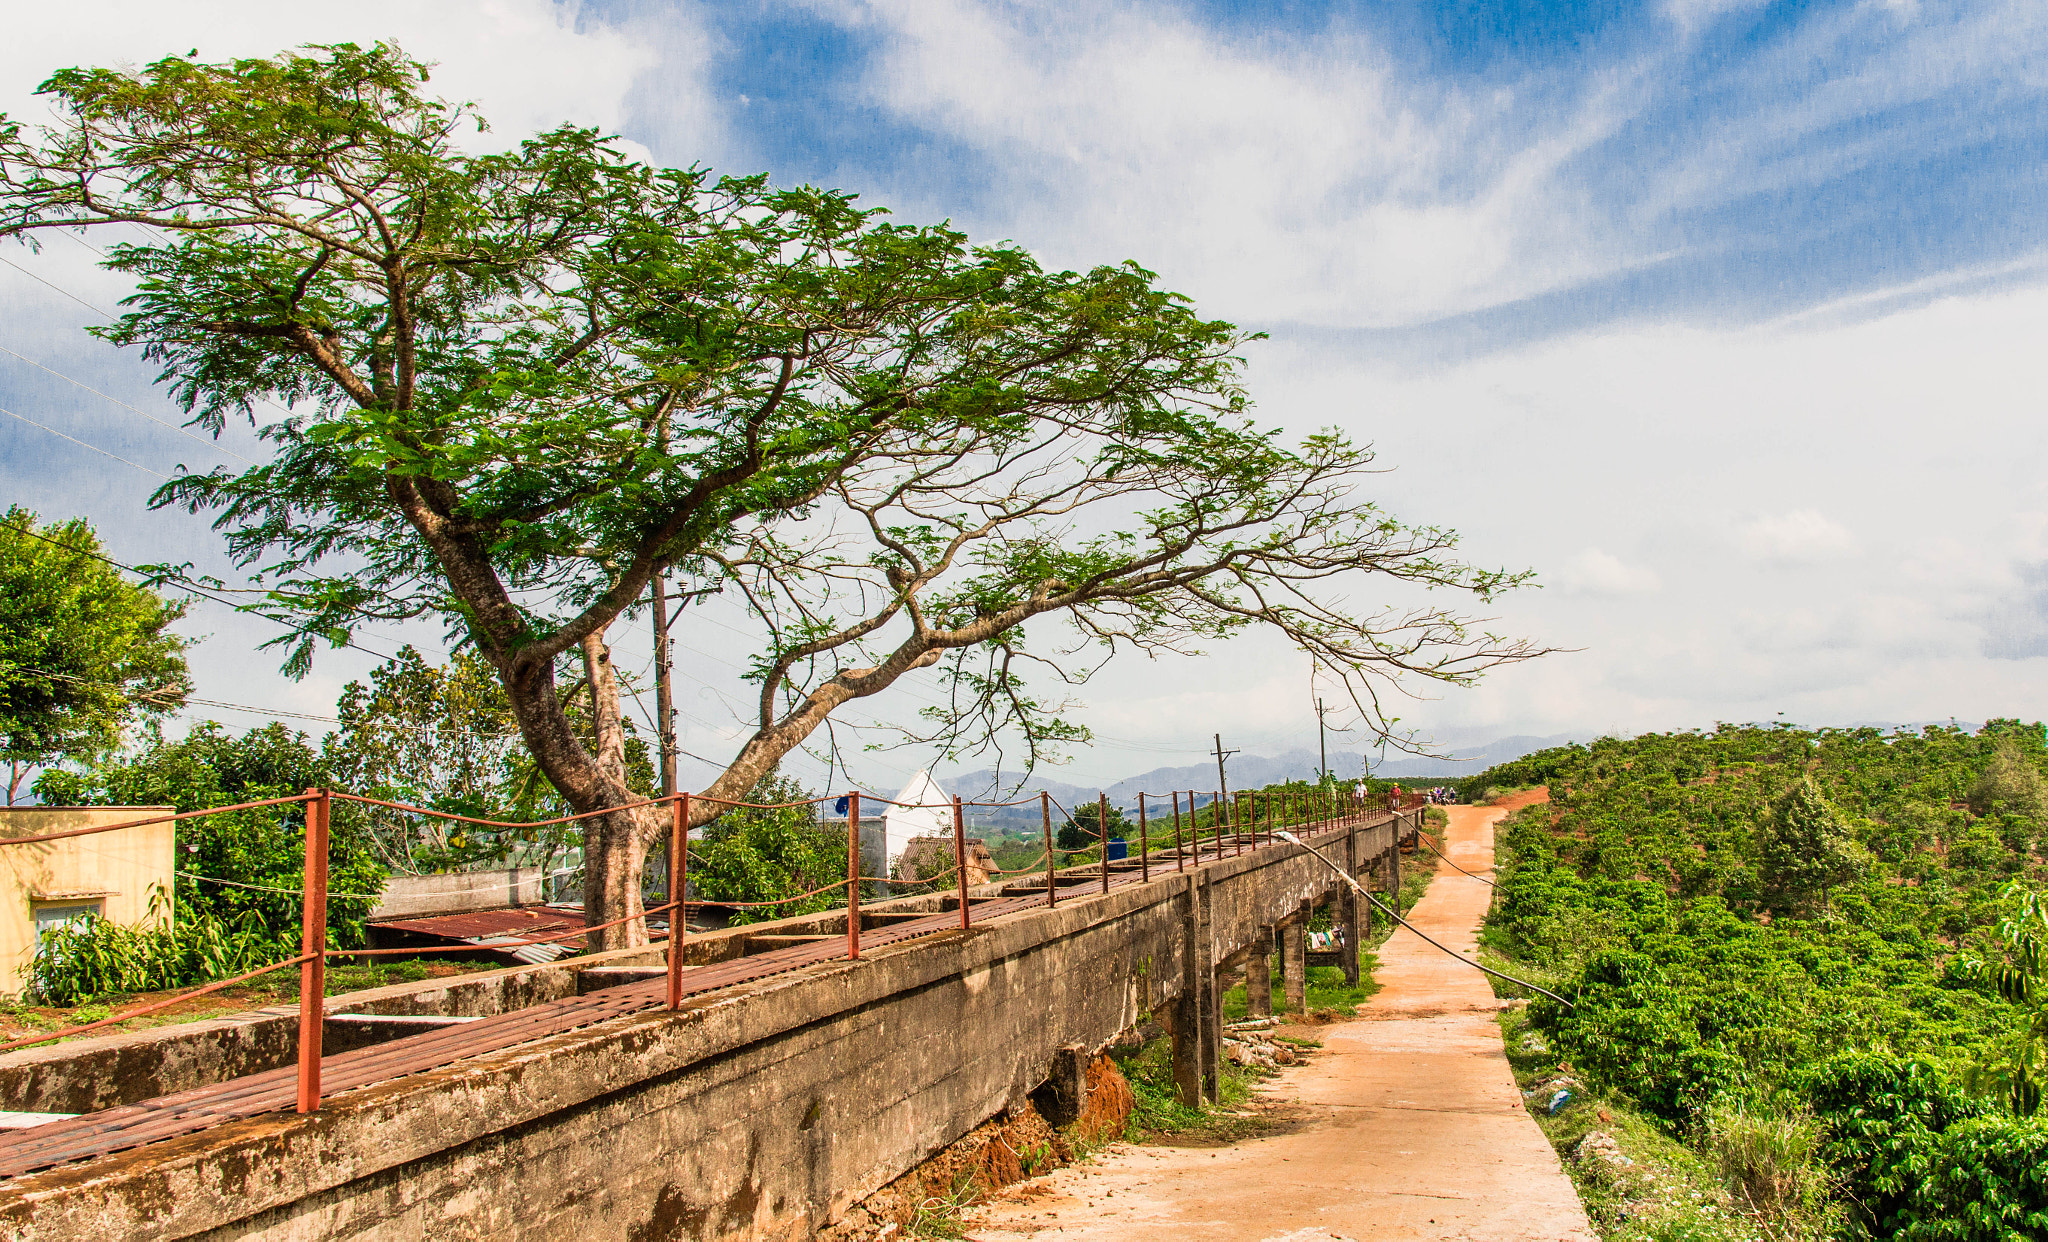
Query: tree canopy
x: 239, y: 862
x: 507, y: 389
x: 444, y: 737
x: 1806, y: 848
x: 83, y: 652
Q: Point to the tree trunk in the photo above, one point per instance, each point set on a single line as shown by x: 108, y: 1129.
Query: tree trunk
x: 614, y: 846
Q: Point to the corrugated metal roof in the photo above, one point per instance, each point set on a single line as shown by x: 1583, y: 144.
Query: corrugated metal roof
x: 480, y: 924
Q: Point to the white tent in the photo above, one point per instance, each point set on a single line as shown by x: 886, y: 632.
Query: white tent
x: 927, y: 811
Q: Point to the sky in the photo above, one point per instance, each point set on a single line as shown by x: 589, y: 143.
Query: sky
x: 1725, y: 318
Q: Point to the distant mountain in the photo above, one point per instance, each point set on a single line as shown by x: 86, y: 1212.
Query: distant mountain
x: 1243, y: 770
x: 1472, y: 760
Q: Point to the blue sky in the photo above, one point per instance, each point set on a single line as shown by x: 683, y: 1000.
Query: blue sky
x: 1725, y: 317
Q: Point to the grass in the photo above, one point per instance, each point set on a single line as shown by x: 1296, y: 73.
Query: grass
x: 1326, y: 993
x: 944, y: 1216
x: 18, y: 1020
x: 1666, y: 1192
x: 1671, y: 1190
x: 1158, y: 1112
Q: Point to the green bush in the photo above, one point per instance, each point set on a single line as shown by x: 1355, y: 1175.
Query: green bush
x: 240, y: 862
x: 1986, y: 1181
x: 754, y: 854
x: 94, y: 957
x: 1806, y: 917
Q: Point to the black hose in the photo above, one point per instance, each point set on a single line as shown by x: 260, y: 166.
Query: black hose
x: 1424, y: 838
x: 1361, y: 889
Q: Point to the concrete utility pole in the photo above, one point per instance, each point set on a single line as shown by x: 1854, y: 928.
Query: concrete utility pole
x: 664, y: 695
x: 1223, y: 799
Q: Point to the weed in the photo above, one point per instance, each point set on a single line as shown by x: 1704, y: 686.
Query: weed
x: 1157, y: 1111
x: 943, y: 1216
x: 1770, y: 1160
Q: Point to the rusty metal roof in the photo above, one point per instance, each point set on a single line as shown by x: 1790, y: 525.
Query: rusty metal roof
x: 478, y: 924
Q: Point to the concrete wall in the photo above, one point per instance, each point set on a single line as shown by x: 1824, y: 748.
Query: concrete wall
x: 761, y: 1111
x: 412, y: 896
x: 111, y: 871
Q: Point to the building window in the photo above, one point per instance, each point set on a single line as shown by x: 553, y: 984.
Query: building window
x: 63, y: 914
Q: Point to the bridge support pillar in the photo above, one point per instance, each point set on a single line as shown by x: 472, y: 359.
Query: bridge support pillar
x: 1193, y: 1012
x: 1294, y: 961
x: 1394, y: 871
x: 1347, y: 915
x: 1069, y: 1083
x: 1211, y: 1003
x: 1258, y: 976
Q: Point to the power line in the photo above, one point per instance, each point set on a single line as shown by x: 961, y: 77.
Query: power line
x: 177, y: 583
x: 82, y: 444
x: 59, y: 288
x: 215, y: 445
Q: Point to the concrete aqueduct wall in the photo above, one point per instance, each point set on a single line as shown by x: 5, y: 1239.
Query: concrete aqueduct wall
x: 762, y: 1111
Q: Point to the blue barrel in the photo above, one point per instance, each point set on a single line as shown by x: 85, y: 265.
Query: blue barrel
x: 1119, y: 848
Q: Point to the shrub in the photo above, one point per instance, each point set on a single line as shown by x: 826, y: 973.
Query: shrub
x: 1987, y: 1181
x: 1770, y: 1159
x: 1884, y: 1115
x: 94, y: 957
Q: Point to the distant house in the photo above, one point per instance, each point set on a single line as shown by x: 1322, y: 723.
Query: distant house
x: 48, y: 884
x: 922, y: 810
x: 932, y: 858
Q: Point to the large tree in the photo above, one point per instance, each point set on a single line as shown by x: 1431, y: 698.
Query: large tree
x: 520, y: 384
x: 83, y: 651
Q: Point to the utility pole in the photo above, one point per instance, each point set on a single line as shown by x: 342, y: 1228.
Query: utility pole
x: 664, y: 700
x: 1223, y: 798
x: 1322, y: 743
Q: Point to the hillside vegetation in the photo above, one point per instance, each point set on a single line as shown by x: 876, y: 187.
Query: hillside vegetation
x: 1811, y: 956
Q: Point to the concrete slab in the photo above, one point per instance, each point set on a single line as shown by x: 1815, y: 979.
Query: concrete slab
x: 1406, y: 1125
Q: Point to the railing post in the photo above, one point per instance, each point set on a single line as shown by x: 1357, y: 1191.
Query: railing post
x: 853, y: 875
x: 1144, y: 843
x: 1102, y: 834
x: 1180, y: 847
x: 678, y: 884
x: 960, y: 858
x: 1051, y: 860
x: 313, y: 942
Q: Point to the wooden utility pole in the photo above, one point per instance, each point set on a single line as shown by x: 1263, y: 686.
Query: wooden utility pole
x: 1322, y: 743
x: 664, y: 693
x: 1223, y: 799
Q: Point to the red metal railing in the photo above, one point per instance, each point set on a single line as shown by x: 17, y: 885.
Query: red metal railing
x: 1226, y: 815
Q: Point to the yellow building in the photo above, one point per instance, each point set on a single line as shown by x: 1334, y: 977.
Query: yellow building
x: 49, y: 883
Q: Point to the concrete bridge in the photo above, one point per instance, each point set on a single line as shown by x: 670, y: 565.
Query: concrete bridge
x: 569, y: 1101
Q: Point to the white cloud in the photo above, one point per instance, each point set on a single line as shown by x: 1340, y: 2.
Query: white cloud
x: 1602, y: 574
x: 529, y: 64
x: 1710, y: 461
x: 1322, y: 183
x: 1801, y: 537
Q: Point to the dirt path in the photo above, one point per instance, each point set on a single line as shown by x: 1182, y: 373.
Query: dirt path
x: 1406, y: 1125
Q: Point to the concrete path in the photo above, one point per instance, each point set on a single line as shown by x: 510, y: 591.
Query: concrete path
x: 1407, y: 1124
